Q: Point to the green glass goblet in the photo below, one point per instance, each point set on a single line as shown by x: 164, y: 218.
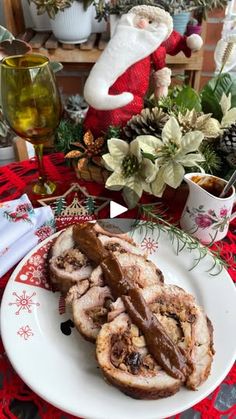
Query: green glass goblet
x: 31, y: 105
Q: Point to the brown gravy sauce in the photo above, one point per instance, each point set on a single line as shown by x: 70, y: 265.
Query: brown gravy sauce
x: 211, y: 185
x: 159, y: 344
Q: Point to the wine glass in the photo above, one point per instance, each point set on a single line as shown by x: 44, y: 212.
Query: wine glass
x: 31, y: 105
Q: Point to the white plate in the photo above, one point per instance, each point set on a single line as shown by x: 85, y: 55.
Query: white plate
x: 62, y: 369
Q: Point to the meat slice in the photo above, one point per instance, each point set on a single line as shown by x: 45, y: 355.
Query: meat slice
x: 136, y: 267
x: 126, y: 363
x: 90, y: 311
x: 116, y: 244
x: 101, y: 230
x: 185, y: 323
x: 63, y: 242
x: 202, y: 352
x: 67, y: 265
x: 77, y: 291
x: 139, y: 270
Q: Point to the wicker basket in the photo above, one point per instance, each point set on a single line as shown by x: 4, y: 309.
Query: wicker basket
x: 92, y: 173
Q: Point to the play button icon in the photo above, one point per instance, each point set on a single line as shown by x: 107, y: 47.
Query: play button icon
x: 116, y: 209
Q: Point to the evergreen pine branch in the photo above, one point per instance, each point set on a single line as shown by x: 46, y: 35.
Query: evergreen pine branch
x: 67, y: 133
x: 114, y: 131
x: 152, y: 219
x: 213, y: 161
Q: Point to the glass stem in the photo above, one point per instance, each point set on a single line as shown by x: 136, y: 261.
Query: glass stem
x: 39, y: 156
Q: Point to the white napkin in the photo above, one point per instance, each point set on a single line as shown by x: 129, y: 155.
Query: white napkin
x: 16, y: 218
x: 19, y: 237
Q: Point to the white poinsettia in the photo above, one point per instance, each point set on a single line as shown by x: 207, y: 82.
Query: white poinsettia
x: 131, y: 171
x: 229, y: 114
x: 172, y: 154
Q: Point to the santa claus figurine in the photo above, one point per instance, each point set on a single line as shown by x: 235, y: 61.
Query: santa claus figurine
x: 119, y: 80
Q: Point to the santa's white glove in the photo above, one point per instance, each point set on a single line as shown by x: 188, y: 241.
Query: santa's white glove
x: 194, y: 42
x: 162, y: 80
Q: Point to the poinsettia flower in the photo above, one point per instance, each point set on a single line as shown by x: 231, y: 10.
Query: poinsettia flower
x: 172, y: 153
x: 197, y: 121
x: 229, y: 114
x: 131, y: 171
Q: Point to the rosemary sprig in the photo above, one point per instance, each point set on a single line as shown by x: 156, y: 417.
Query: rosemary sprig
x: 152, y: 218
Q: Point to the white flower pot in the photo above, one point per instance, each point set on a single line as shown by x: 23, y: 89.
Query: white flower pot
x: 40, y: 22
x: 98, y: 27
x: 7, y: 155
x: 73, y: 25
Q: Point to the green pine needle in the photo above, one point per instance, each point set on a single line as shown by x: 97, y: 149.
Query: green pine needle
x: 150, y: 218
x: 213, y: 162
x: 114, y: 131
x: 67, y: 133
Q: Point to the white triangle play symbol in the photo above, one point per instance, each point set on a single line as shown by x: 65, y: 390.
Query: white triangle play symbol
x: 116, y: 209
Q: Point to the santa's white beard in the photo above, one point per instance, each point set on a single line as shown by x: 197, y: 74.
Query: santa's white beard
x: 127, y: 46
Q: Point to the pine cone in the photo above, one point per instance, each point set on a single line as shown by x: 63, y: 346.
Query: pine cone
x: 148, y: 122
x: 228, y: 140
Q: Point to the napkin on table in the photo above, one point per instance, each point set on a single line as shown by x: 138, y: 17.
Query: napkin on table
x: 16, y: 218
x: 21, y: 228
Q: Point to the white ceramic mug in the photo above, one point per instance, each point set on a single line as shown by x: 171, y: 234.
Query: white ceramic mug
x: 206, y: 216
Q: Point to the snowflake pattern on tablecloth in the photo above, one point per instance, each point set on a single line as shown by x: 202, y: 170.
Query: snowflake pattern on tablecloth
x: 25, y: 332
x: 34, y: 271
x: 150, y: 245
x: 24, y: 302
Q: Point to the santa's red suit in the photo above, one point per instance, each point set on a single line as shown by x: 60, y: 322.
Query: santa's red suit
x: 135, y: 80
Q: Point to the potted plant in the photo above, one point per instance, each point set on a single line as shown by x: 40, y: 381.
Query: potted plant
x: 115, y: 8
x: 99, y: 25
x: 202, y: 7
x: 193, y: 27
x: 76, y: 108
x: 71, y: 20
x: 181, y: 13
x: 41, y: 21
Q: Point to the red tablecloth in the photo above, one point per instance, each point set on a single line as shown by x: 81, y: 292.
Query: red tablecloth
x: 17, y: 400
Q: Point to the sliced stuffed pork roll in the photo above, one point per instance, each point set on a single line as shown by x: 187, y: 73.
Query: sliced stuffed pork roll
x: 123, y: 355
x: 141, y: 272
x: 136, y: 267
x: 68, y: 265
x: 91, y: 313
x: 125, y: 362
x: 187, y: 325
x: 116, y: 244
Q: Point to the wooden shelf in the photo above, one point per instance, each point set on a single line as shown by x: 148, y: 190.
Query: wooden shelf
x: 45, y: 43
x: 87, y: 53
